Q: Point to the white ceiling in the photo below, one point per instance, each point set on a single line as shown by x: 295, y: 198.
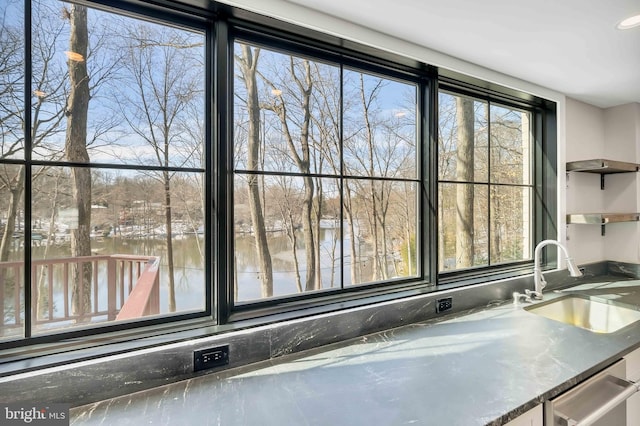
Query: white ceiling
x: 570, y: 46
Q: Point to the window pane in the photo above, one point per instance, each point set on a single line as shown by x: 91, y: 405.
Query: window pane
x: 294, y: 250
x: 462, y: 139
x: 291, y: 227
x: 12, y: 251
x: 12, y: 177
x: 129, y: 91
x: 510, y: 146
x: 511, y: 226
x: 381, y: 230
x: 470, y: 223
x: 379, y: 126
x: 463, y: 236
x: 11, y: 79
x: 90, y: 255
x: 286, y: 113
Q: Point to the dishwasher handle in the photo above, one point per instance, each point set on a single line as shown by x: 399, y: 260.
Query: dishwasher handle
x: 630, y: 389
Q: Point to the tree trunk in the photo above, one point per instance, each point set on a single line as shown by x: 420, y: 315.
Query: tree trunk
x: 316, y: 231
x: 382, y: 220
x: 249, y: 67
x: 377, y: 266
x: 304, y: 166
x: 16, y: 190
x: 291, y: 233
x: 464, y: 192
x: 408, y: 234
x: 6, y: 284
x: 496, y: 242
x: 307, y: 228
x: 169, y: 239
x: 76, y: 151
x: 385, y: 253
x: 43, y: 301
x: 355, y: 261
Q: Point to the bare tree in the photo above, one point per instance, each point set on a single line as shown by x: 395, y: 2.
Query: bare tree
x: 76, y: 151
x: 166, y: 79
x: 382, y: 148
x: 510, y: 165
x: 61, y: 91
x: 327, y: 125
x: 248, y: 62
x: 299, y: 143
x: 53, y: 195
x: 464, y: 194
x: 193, y: 130
x: 287, y: 200
x: 47, y: 110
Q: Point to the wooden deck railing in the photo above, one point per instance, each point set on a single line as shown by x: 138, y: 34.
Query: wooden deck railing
x: 115, y: 282
x: 144, y: 299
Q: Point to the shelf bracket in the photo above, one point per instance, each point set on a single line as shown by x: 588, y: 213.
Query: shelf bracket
x: 602, y: 175
x: 602, y: 232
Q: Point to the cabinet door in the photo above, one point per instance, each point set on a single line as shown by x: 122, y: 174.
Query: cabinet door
x: 532, y: 417
x: 633, y: 374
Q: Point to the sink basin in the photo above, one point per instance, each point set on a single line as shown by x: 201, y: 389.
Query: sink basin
x: 599, y: 316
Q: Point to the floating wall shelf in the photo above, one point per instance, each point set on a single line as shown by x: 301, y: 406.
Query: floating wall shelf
x: 601, y: 219
x: 602, y: 167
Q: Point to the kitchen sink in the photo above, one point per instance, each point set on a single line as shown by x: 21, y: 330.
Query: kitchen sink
x: 599, y: 316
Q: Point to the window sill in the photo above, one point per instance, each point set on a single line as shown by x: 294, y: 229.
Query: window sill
x: 451, y: 280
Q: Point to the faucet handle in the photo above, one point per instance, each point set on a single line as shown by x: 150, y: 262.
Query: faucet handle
x: 519, y: 297
x: 537, y: 295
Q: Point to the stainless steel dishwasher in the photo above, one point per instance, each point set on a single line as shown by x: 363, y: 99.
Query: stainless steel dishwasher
x: 599, y: 400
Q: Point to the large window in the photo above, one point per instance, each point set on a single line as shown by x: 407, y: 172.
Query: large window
x: 325, y: 175
x: 101, y: 170
x: 170, y: 165
x: 485, y: 185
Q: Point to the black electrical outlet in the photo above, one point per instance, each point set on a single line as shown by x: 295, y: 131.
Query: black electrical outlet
x: 443, y: 305
x: 210, y: 358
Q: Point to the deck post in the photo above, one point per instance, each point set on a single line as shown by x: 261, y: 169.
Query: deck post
x: 111, y: 289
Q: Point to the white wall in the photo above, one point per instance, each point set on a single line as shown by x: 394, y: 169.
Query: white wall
x: 622, y: 241
x: 585, y: 131
x: 584, y: 141
x: 613, y: 134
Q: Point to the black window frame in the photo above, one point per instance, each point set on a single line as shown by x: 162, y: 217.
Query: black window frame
x: 543, y: 181
x: 282, y: 42
x: 222, y: 25
x: 141, y: 12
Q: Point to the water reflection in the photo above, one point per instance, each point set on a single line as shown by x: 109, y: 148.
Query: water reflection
x: 248, y: 274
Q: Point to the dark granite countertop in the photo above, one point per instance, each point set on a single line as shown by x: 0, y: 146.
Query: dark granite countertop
x: 485, y: 366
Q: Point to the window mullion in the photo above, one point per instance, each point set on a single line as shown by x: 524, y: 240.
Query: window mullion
x: 222, y: 225
x: 341, y: 178
x: 489, y: 186
x: 429, y: 166
x: 28, y: 144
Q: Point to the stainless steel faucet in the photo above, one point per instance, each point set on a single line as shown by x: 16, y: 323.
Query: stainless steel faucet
x: 538, y: 278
